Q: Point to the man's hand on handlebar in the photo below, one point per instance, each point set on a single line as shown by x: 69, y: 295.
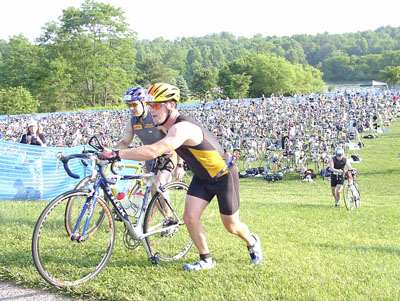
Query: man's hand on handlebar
x: 109, y: 154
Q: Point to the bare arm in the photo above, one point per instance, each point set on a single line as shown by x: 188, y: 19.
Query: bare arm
x: 127, y: 138
x: 331, y: 164
x: 179, y: 172
x: 348, y: 164
x: 180, y: 133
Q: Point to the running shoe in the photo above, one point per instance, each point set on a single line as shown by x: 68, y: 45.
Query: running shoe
x: 200, y: 265
x: 255, y: 251
x: 337, y: 205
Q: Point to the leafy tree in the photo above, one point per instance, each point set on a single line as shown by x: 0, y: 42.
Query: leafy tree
x: 153, y: 70
x: 19, y: 57
x: 335, y: 68
x: 175, y: 58
x: 182, y: 85
x: 194, y: 60
x: 391, y: 74
x: 240, y: 85
x: 17, y: 100
x: 226, y: 78
x: 96, y: 43
x: 217, y: 56
x: 51, y: 83
x: 203, y: 80
x: 270, y: 74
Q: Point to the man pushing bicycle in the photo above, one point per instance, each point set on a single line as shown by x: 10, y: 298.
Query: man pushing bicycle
x: 214, y: 173
x: 337, y: 165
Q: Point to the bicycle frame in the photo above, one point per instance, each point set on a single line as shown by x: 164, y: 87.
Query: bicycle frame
x: 136, y: 231
x: 355, y: 198
x: 351, y: 181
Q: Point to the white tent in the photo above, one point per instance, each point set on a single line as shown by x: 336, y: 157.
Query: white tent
x: 375, y: 83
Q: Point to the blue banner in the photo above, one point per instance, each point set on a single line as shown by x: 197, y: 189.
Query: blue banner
x: 29, y: 172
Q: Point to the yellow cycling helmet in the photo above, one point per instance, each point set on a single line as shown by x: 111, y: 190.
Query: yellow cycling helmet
x: 162, y: 92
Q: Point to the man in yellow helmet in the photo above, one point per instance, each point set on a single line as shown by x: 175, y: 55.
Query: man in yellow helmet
x: 214, y: 173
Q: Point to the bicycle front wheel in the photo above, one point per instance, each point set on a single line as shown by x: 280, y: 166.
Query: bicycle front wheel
x: 63, y: 261
x: 358, y: 196
x: 173, y: 242
x: 348, y: 197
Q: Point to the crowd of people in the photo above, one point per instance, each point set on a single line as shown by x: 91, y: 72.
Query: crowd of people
x: 236, y: 123
x: 68, y: 129
x: 242, y: 123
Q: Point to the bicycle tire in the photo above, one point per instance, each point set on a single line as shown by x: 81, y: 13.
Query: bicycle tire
x: 348, y: 197
x: 62, y: 261
x: 358, y: 197
x: 174, y: 243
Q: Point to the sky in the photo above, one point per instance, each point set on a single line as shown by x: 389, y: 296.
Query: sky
x: 172, y: 19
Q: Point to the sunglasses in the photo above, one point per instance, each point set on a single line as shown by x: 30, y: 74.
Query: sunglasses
x: 133, y: 105
x: 155, y: 105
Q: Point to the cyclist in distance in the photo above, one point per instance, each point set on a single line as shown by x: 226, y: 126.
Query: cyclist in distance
x: 337, y: 164
x: 214, y: 172
x: 141, y: 123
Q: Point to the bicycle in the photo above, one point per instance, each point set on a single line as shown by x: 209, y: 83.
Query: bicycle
x: 67, y: 259
x: 351, y: 191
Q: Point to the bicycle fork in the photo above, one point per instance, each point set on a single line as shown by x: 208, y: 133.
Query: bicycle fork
x: 89, y: 206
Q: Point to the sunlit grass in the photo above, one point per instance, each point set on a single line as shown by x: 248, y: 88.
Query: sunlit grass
x: 312, y: 251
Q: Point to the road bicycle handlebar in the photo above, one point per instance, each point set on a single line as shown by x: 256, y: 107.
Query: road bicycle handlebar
x: 161, y: 163
x: 91, y: 155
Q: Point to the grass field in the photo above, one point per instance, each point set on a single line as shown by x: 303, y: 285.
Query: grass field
x: 312, y: 250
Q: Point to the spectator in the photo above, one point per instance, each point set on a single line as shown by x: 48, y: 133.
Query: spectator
x: 34, y: 134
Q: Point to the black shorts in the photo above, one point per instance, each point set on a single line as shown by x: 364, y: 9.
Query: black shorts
x: 226, y: 188
x: 337, y: 180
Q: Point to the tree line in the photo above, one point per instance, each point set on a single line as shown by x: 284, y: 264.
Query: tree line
x: 90, y: 56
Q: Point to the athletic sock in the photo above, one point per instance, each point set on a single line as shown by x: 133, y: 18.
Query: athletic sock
x: 205, y: 257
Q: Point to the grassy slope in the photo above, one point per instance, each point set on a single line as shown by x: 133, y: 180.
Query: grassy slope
x: 311, y: 249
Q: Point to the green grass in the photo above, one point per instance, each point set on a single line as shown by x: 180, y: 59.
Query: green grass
x: 312, y: 251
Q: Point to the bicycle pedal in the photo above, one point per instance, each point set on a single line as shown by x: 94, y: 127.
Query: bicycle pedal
x: 154, y: 259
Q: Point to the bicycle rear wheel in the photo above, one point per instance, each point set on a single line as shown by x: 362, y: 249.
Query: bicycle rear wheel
x: 62, y: 261
x: 174, y: 242
x: 348, y: 197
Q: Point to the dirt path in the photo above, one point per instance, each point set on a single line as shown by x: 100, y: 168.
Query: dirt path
x: 10, y: 291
